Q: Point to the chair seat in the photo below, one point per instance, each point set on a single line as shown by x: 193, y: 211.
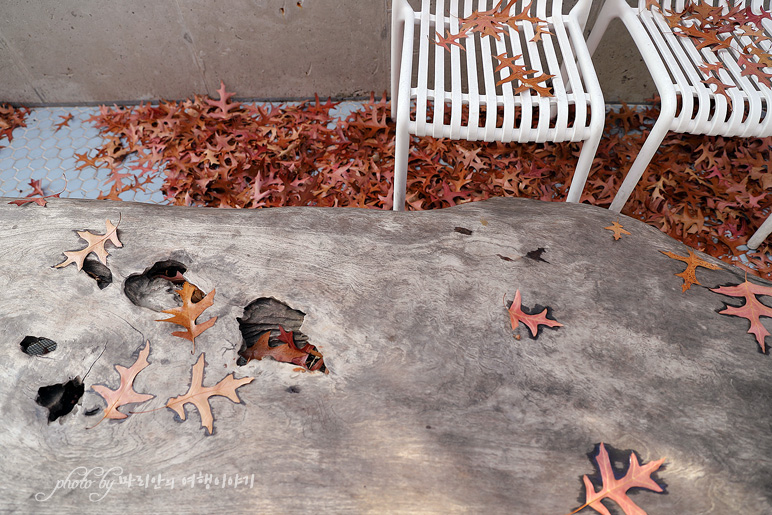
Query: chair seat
x: 702, y: 108
x: 458, y: 90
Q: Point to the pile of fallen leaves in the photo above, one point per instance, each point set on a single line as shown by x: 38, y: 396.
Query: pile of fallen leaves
x: 11, y: 118
x: 708, y: 192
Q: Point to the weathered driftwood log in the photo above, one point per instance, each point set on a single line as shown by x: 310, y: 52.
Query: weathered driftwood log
x: 432, y: 402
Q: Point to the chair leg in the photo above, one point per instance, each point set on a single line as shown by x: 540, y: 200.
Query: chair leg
x: 761, y: 234
x: 649, y: 148
x: 606, y: 14
x: 401, y: 151
x: 583, y: 166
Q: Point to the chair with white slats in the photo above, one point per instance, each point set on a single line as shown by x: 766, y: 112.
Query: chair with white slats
x: 467, y: 92
x: 683, y: 73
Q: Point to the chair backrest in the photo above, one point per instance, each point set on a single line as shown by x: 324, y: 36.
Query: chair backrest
x: 678, y: 5
x: 540, y: 8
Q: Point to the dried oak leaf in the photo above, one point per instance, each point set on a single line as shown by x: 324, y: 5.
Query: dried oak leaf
x: 41, y: 201
x: 617, y: 229
x: 187, y: 314
x: 96, y: 244
x: 31, y: 198
x: 516, y: 315
x: 125, y: 393
x: 637, y: 476
x: 692, y: 262
x: 64, y: 123
x: 287, y: 352
x: 752, y: 310
x: 450, y: 40
x: 199, y: 395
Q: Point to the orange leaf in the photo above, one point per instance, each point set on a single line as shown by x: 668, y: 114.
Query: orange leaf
x: 199, y: 395
x: 450, y: 40
x: 64, y: 123
x: 752, y: 310
x: 692, y: 262
x: 96, y: 244
x: 539, y: 31
x: 617, y: 229
x: 637, y: 476
x: 187, y: 314
x: 125, y: 393
x: 516, y: 315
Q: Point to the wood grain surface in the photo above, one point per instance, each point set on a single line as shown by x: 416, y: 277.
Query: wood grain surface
x: 432, y: 404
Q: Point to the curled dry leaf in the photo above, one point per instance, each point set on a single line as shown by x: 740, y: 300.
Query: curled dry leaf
x: 125, y: 393
x: 11, y: 118
x: 286, y: 352
x: 96, y: 244
x: 31, y: 198
x: 199, y: 395
x: 190, y: 310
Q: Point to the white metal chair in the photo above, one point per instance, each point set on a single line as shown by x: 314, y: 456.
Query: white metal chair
x: 466, y: 92
x: 679, y: 68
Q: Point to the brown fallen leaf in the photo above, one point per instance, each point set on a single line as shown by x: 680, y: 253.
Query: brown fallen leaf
x: 199, y: 395
x: 187, y: 314
x: 617, y: 229
x: 287, y: 352
x: 125, y: 393
x: 516, y: 315
x: 31, y: 198
x: 692, y: 262
x: 637, y: 476
x: 96, y: 244
x: 41, y: 201
x: 64, y: 123
x: 10, y: 119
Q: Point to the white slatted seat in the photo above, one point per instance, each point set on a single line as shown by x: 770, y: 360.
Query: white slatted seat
x: 454, y: 94
x: 689, y: 105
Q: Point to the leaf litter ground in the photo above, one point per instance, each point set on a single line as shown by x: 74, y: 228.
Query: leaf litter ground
x: 707, y: 191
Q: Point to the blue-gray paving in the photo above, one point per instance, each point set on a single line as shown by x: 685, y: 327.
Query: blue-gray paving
x: 42, y: 151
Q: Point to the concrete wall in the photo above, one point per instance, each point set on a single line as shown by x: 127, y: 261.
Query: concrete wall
x: 76, y: 51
